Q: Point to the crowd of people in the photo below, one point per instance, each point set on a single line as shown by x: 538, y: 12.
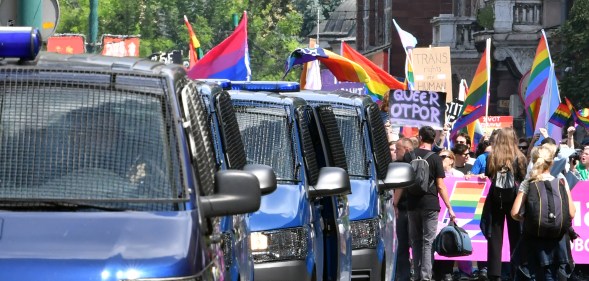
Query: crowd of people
x: 539, y: 159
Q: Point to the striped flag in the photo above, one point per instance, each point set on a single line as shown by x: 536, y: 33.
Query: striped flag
x: 407, y: 39
x: 342, y: 68
x: 579, y: 119
x: 409, y: 76
x: 475, y: 104
x: 193, y: 45
x: 409, y: 42
x: 380, y: 81
x: 540, y: 72
x: 561, y: 116
x: 549, y: 104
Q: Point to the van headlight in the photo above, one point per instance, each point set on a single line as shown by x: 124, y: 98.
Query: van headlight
x: 365, y: 233
x: 275, y: 245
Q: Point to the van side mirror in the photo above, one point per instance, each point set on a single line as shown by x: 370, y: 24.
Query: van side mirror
x: 332, y: 181
x: 265, y: 175
x: 236, y: 192
x: 399, y: 175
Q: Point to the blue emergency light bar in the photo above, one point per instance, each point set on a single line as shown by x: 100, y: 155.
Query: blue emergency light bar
x: 19, y: 42
x: 223, y: 83
x: 268, y: 86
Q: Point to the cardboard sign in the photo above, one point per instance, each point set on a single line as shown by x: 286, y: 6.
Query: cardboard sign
x: 66, y: 44
x: 432, y: 69
x: 490, y: 123
x: 417, y: 108
x: 120, y: 46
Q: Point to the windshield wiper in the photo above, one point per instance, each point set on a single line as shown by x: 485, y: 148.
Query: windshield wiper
x: 55, y: 205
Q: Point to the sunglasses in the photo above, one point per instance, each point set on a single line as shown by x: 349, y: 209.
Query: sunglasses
x: 461, y: 142
x: 446, y: 156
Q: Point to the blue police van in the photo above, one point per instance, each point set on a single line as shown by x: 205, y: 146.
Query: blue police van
x: 105, y: 170
x: 273, y: 126
x: 371, y: 210
x: 230, y: 154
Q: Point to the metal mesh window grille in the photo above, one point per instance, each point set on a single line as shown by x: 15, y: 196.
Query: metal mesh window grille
x: 267, y: 137
x: 200, y: 140
x: 380, y: 143
x: 353, y: 140
x: 78, y: 142
x: 233, y: 144
x: 332, y: 137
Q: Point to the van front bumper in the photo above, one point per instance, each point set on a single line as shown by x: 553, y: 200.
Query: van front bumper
x: 365, y: 264
x: 295, y: 270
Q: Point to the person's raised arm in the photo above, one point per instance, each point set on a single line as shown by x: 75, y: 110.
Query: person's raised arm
x: 571, y: 137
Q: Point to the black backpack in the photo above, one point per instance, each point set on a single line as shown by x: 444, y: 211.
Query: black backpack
x: 505, y: 186
x: 547, y: 209
x: 422, y: 182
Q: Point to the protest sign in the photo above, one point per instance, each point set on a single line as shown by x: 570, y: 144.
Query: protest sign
x: 453, y: 109
x: 417, y: 108
x: 580, y: 247
x: 432, y: 70
x: 490, y: 123
x: 467, y: 198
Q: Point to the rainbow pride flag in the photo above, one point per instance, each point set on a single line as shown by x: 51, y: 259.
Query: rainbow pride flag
x: 579, y: 119
x: 194, y: 51
x: 380, y: 81
x: 584, y: 112
x: 342, y: 68
x: 475, y: 104
x: 540, y: 72
x: 561, y: 116
x: 409, y: 76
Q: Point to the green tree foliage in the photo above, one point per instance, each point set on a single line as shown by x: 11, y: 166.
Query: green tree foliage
x: 273, y: 29
x: 573, y: 46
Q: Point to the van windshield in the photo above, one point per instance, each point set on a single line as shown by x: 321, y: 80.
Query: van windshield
x: 353, y: 140
x: 267, y: 138
x: 65, y: 143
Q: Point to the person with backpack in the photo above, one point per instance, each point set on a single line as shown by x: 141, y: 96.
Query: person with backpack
x: 506, y: 167
x: 546, y: 208
x: 422, y: 202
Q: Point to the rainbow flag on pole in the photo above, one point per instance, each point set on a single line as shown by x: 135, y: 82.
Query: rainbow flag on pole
x: 475, y: 104
x: 380, y: 81
x: 194, y: 51
x: 540, y: 72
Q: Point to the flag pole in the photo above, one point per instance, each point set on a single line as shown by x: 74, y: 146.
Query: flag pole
x: 488, y: 59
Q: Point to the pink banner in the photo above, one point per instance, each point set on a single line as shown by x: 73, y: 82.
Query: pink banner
x: 580, y: 247
x: 468, y: 197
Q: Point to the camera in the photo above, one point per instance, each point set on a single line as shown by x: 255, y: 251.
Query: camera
x: 576, y: 155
